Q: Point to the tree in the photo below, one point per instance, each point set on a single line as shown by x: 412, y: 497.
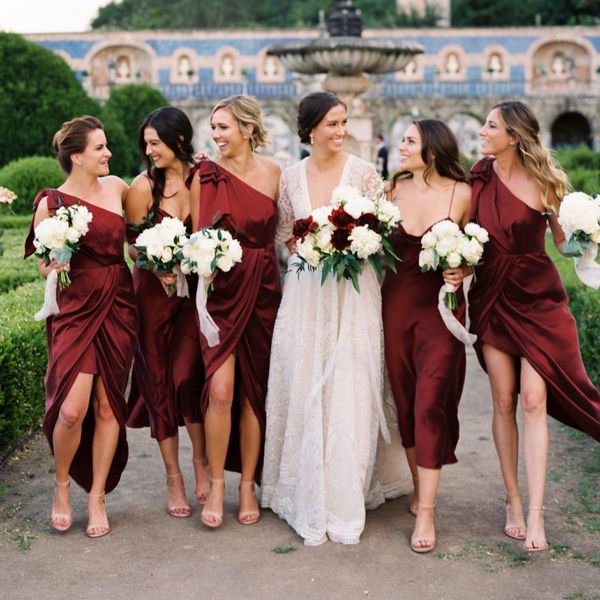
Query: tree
x: 128, y: 105
x: 39, y: 93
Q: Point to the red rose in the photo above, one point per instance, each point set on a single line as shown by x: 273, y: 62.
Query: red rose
x: 370, y: 220
x: 304, y: 226
x: 339, y: 239
x: 340, y: 218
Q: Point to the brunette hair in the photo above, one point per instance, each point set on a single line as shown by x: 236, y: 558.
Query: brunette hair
x: 439, y: 152
x: 72, y: 138
x: 521, y: 122
x: 312, y: 110
x: 246, y: 111
x: 176, y: 132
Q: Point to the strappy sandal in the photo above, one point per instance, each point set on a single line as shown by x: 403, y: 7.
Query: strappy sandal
x: 421, y: 545
x: 177, y: 510
x: 61, y: 521
x: 536, y: 545
x: 509, y: 530
x: 100, y: 530
x: 201, y: 496
x: 212, y: 518
x: 248, y: 517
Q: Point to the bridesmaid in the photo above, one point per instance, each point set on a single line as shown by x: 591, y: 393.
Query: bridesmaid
x: 527, y: 338
x: 167, y: 382
x: 426, y: 363
x: 238, y: 192
x: 91, y: 341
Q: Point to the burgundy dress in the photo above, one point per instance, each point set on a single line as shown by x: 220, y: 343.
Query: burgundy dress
x: 425, y: 362
x: 94, y: 331
x: 519, y: 305
x: 245, y: 300
x: 168, y: 370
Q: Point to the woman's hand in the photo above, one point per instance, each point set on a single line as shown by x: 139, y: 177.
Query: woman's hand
x: 167, y: 280
x: 45, y: 269
x: 201, y: 156
x: 455, y: 277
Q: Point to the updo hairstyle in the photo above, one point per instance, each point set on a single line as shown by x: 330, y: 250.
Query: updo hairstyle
x: 72, y: 138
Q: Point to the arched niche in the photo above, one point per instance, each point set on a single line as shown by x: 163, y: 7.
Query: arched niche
x: 571, y: 129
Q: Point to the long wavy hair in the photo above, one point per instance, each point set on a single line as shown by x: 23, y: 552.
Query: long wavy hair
x: 439, y: 152
x: 176, y: 132
x: 521, y: 122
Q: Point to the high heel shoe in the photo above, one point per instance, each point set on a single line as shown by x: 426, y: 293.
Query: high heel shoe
x: 202, y: 496
x: 248, y: 517
x: 420, y: 544
x: 538, y: 545
x: 414, y: 502
x: 61, y: 521
x: 516, y: 532
x: 212, y: 518
x: 98, y: 530
x: 180, y: 509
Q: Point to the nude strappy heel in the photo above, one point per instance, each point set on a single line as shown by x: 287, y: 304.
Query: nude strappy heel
x: 100, y: 530
x: 212, y: 518
x: 421, y: 545
x: 181, y: 509
x: 509, y: 530
x: 61, y: 521
x: 536, y: 545
x: 248, y: 517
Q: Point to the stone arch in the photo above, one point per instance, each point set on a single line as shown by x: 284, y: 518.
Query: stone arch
x: 268, y: 68
x: 496, y: 65
x: 413, y: 71
x: 466, y: 129
x: 228, y: 66
x: 571, y: 129
x: 184, y: 65
x: 452, y: 63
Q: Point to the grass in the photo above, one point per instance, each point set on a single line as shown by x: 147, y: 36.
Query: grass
x: 493, y: 558
x: 284, y: 549
x: 14, y: 271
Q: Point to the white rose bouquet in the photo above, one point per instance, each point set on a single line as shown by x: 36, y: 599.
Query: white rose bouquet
x: 206, y: 251
x: 447, y: 247
x: 59, y: 237
x: 158, y: 249
x: 579, y: 216
x: 341, y: 236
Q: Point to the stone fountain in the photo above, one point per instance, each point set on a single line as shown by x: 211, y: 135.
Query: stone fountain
x: 347, y: 58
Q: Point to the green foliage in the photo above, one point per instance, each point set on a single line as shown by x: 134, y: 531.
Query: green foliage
x: 122, y: 163
x: 27, y: 176
x: 128, y: 105
x: 39, y: 93
x: 23, y: 359
x: 583, y: 168
x: 177, y: 14
x: 14, y: 221
x: 14, y: 271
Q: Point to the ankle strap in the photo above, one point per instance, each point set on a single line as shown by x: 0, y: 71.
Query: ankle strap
x: 62, y: 483
x: 96, y: 495
x: 246, y: 482
x: 426, y: 506
x: 178, y: 474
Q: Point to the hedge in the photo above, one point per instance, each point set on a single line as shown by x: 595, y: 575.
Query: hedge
x: 14, y: 271
x: 23, y: 358
x: 27, y: 176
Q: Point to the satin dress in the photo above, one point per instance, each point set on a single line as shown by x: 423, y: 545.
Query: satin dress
x: 425, y: 362
x: 519, y: 305
x: 168, y: 370
x: 94, y: 332
x: 244, y: 301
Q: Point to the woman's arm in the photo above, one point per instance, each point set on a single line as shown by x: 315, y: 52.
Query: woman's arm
x: 195, y: 202
x: 558, y: 235
x: 138, y: 200
x: 42, y: 213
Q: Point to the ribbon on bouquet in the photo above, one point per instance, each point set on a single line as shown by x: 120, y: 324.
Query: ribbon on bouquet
x: 586, y: 267
x: 208, y: 327
x: 453, y: 325
x: 183, y: 290
x: 50, y: 304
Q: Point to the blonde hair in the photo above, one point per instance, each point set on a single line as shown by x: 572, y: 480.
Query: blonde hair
x: 72, y: 138
x: 522, y: 123
x: 246, y: 111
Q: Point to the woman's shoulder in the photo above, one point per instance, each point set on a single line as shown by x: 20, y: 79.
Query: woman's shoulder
x: 141, y: 183
x: 113, y: 183
x: 482, y: 169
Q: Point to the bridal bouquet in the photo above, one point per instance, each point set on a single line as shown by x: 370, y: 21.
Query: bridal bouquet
x: 579, y: 216
x: 445, y: 246
x: 59, y: 237
x: 158, y: 249
x: 206, y: 251
x: 341, y: 236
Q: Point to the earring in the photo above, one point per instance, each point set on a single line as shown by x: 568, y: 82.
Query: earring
x: 312, y: 140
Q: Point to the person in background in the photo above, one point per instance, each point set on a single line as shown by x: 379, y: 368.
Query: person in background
x: 382, y: 156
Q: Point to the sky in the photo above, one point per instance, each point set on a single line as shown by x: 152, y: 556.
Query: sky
x: 47, y: 16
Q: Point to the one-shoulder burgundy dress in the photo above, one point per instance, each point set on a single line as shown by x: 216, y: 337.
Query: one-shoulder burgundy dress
x: 245, y: 300
x: 94, y: 332
x: 168, y: 370
x: 425, y: 362
x: 519, y: 305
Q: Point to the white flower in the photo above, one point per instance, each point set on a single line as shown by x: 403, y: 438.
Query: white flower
x: 225, y: 263
x: 447, y: 244
x: 358, y: 206
x: 388, y: 213
x: 321, y: 215
x: 579, y: 212
x: 445, y: 228
x: 471, y: 250
x: 428, y: 240
x: 73, y: 235
x: 52, y: 233
x: 166, y: 255
x: 6, y: 196
x: 364, y: 242
x: 235, y: 250
x: 81, y: 217
x: 596, y: 236
x: 344, y: 194
x: 474, y: 230
x: 307, y: 251
x: 426, y: 258
x: 454, y: 259
x: 322, y: 239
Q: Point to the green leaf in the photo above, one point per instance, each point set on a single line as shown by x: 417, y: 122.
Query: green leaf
x: 573, y: 247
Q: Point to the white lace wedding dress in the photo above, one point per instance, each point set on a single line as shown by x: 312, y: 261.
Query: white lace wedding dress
x: 324, y: 402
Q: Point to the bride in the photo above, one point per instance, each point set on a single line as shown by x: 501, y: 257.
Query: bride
x: 324, y: 402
